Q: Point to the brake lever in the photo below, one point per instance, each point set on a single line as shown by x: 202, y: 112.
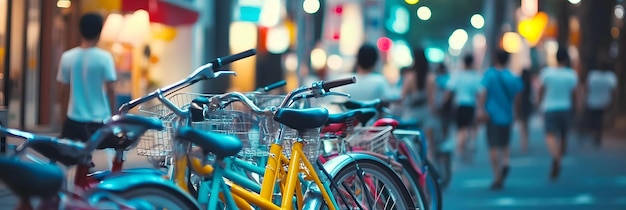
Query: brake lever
x: 219, y: 73
x: 337, y: 94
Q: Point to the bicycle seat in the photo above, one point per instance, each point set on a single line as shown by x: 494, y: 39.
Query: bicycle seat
x: 64, y: 152
x: 408, y: 124
x: 301, y: 119
x: 366, y: 115
x: 387, y: 122
x: 219, y: 144
x: 135, y: 120
x: 132, y: 126
x: 376, y: 104
x: 343, y: 117
x: 31, y: 179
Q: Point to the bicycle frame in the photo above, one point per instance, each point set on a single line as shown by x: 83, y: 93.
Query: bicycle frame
x: 261, y: 196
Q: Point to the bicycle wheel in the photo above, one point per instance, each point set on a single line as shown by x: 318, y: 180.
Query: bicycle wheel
x: 444, y: 169
x: 370, y: 184
x: 433, y: 191
x: 415, y: 188
x: 159, y: 197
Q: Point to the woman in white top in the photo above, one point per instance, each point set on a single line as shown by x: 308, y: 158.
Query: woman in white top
x: 600, y: 91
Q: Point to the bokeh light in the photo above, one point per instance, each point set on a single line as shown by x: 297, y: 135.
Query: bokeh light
x: 574, y: 1
x: 477, y: 21
x: 277, y: 40
x: 311, y: 6
x: 434, y: 55
x: 318, y: 58
x: 291, y: 62
x: 411, y: 1
x: 401, y: 54
x: 424, y: 13
x: 458, y: 39
x: 384, y: 44
x: 619, y: 11
x: 335, y: 62
x: 511, y: 42
x: 479, y: 41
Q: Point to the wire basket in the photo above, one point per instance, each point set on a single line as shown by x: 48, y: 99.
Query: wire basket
x: 159, y: 143
x: 375, y: 139
x: 257, y: 132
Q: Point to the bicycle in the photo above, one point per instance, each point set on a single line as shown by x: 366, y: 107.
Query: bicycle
x: 226, y: 147
x: 412, y: 150
x: 45, y: 179
x: 342, y: 135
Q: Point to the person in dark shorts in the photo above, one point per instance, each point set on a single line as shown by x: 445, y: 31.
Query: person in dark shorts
x: 558, y: 85
x: 600, y: 91
x: 501, y: 90
x: 86, y: 80
x: 466, y: 86
x: 524, y: 108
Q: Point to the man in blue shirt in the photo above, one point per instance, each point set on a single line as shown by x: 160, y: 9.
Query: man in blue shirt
x: 501, y: 91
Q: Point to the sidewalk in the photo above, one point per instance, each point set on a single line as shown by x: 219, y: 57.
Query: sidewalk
x: 590, y: 177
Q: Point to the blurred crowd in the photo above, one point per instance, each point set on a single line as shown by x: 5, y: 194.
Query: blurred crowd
x: 439, y: 100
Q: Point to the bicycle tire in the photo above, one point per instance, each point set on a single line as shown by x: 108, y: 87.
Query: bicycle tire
x: 415, y: 189
x: 389, y: 178
x: 444, y: 169
x: 434, y: 190
x: 159, y: 197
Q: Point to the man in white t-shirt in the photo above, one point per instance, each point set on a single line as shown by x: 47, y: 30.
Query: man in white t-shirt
x: 369, y: 84
x: 466, y: 87
x: 600, y: 91
x: 86, y: 76
x: 86, y: 79
x: 557, y: 101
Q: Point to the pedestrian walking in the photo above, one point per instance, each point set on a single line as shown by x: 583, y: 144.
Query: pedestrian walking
x: 466, y: 86
x: 557, y: 99
x: 525, y: 108
x: 600, y: 91
x: 86, y: 79
x: 501, y: 90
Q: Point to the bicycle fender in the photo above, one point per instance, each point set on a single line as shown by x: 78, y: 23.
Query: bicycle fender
x: 121, y: 182
x: 334, y: 165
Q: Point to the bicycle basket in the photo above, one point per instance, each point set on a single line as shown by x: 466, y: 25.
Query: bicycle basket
x: 159, y: 143
x: 311, y: 139
x: 375, y: 139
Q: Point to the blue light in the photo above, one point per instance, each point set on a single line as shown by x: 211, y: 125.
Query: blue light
x: 434, y: 55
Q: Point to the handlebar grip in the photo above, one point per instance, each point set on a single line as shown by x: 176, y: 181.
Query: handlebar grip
x: 327, y: 85
x: 231, y: 58
x: 273, y: 86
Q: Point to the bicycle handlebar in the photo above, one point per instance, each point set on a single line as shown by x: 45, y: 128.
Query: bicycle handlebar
x: 206, y: 71
x: 70, y: 147
x: 327, y: 85
x: 219, y: 62
x: 317, y: 89
x: 272, y: 86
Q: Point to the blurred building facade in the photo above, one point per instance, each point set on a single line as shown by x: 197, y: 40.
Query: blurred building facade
x: 158, y: 42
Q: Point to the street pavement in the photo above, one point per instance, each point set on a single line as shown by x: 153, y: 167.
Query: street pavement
x: 591, y: 178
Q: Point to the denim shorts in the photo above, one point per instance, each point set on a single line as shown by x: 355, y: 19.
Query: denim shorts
x: 557, y: 122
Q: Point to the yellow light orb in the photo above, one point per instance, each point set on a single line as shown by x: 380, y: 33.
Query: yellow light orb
x: 411, y: 1
x: 511, y: 42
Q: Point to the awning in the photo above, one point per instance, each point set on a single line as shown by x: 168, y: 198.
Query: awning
x: 166, y: 12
